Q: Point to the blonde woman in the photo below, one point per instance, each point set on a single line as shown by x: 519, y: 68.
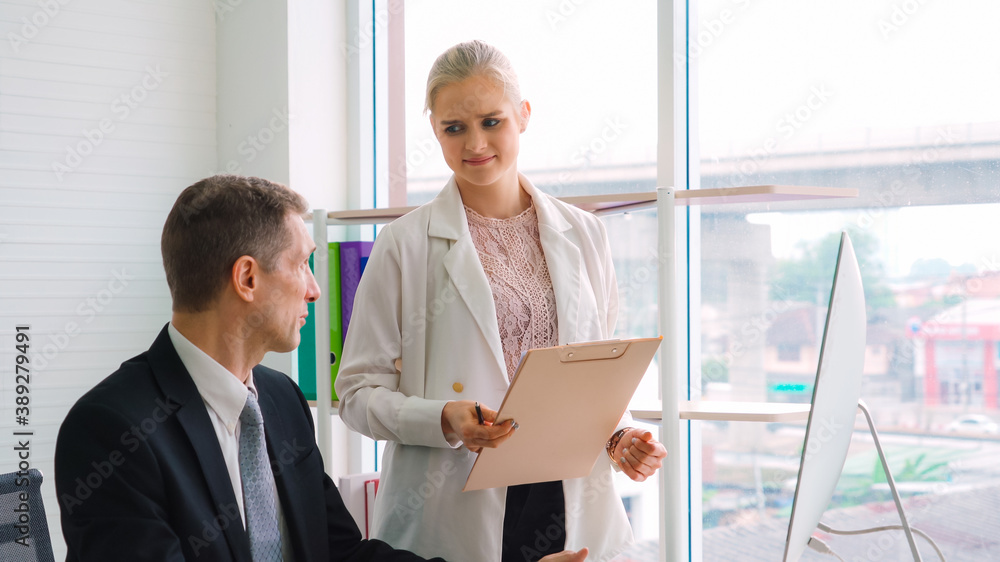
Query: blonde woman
x: 458, y: 290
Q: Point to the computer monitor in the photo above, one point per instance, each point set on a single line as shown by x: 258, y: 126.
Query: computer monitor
x: 834, y: 401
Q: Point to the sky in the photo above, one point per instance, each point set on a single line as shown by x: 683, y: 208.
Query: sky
x: 853, y: 64
x: 784, y: 74
x: 908, y: 234
x: 585, y: 67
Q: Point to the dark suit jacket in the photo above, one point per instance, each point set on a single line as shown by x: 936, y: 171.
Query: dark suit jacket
x: 140, y: 474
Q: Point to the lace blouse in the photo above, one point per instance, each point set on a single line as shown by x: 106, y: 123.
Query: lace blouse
x: 510, y: 251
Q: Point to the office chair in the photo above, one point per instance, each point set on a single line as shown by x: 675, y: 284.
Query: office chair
x: 24, y: 534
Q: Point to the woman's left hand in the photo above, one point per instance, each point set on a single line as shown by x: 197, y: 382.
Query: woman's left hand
x: 639, y: 455
x: 567, y: 556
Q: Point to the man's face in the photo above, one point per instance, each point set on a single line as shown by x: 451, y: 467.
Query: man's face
x: 287, y: 290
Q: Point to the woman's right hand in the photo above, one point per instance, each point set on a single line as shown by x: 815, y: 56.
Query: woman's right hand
x: 459, y: 418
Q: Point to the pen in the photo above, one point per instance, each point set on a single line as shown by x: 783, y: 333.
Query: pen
x: 479, y: 412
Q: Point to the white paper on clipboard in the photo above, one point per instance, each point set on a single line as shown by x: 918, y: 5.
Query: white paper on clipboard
x: 567, y: 401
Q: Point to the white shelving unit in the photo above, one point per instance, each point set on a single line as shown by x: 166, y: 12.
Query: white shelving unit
x: 675, y: 407
x: 717, y: 410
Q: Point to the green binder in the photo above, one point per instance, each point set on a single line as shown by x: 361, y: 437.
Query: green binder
x: 336, y: 322
x: 307, y: 347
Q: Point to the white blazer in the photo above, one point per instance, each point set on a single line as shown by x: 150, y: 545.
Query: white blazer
x: 425, y: 299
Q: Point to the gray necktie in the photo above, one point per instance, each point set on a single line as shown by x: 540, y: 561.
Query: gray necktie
x: 258, y: 488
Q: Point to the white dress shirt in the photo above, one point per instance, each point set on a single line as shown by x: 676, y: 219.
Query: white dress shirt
x: 224, y: 396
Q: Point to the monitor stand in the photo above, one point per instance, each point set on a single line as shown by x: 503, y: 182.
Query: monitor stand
x: 892, y: 483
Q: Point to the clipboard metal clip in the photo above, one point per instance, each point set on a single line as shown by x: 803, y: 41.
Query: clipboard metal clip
x: 595, y: 351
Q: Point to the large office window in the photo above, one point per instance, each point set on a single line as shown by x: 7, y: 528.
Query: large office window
x: 592, y: 131
x: 593, y: 96
x: 895, y: 99
x: 898, y: 100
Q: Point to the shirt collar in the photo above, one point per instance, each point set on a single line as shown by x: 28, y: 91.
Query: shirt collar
x: 219, y: 388
x: 448, y: 219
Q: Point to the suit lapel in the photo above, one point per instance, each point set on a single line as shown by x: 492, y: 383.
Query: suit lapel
x: 177, y: 386
x: 282, y: 454
x: 562, y: 255
x: 447, y: 220
x: 563, y: 258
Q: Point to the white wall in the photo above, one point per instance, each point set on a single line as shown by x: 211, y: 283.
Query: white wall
x: 252, y: 42
x: 281, y: 95
x: 317, y: 97
x: 107, y: 111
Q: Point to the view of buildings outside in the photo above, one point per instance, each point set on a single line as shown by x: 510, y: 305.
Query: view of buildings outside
x: 862, y: 95
x: 897, y: 100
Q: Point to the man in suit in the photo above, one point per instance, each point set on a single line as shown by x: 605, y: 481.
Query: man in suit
x: 149, y: 464
x: 192, y: 450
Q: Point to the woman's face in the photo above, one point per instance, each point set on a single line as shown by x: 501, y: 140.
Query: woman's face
x: 478, y: 129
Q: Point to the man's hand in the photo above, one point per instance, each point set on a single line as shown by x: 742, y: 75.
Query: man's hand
x: 639, y: 455
x: 459, y: 418
x: 567, y: 556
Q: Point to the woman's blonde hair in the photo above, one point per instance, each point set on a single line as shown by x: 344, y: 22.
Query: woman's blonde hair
x: 465, y: 60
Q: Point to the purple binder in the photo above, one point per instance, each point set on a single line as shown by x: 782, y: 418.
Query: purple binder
x: 353, y: 257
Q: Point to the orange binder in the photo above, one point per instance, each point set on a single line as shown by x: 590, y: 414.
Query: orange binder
x: 567, y: 401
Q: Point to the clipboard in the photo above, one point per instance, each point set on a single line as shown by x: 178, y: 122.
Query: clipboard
x: 567, y: 401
